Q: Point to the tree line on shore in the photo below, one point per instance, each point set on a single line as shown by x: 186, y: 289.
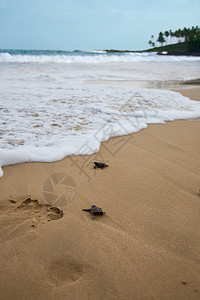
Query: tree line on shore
x: 186, y: 34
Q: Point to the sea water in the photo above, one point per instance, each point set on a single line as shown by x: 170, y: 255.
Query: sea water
x: 53, y: 105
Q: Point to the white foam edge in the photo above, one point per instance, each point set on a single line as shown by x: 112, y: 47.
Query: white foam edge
x: 87, y: 144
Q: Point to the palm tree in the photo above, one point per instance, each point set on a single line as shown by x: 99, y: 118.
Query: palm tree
x: 182, y: 33
x: 179, y: 34
x: 176, y: 33
x: 189, y: 34
x: 197, y: 31
x: 150, y: 43
x: 166, y: 34
x: 170, y: 33
x: 161, y: 39
x: 186, y: 34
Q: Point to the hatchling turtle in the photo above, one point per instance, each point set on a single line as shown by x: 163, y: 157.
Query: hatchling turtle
x: 99, y: 165
x: 95, y: 210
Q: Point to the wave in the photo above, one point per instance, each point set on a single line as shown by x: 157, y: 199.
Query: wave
x: 42, y: 131
x: 92, y: 57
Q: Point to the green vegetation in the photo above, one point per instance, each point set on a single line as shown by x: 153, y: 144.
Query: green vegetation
x: 190, y: 44
x: 184, y: 48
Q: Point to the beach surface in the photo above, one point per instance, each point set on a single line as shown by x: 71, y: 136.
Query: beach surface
x: 147, y: 244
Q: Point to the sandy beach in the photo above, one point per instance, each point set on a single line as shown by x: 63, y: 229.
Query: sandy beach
x: 147, y: 244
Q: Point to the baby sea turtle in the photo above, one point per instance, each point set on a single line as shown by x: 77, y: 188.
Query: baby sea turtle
x: 95, y: 210
x: 99, y: 165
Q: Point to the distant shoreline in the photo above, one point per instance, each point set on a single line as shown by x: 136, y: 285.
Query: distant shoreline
x: 172, y: 49
x: 175, y: 53
x: 191, y: 48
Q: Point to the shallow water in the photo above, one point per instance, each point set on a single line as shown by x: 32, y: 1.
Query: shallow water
x: 51, y: 104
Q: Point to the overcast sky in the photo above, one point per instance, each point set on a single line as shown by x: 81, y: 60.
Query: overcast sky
x: 91, y: 24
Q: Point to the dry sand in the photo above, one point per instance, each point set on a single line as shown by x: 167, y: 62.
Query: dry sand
x: 146, y: 246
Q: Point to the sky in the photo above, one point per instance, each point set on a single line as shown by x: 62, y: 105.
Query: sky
x: 91, y: 24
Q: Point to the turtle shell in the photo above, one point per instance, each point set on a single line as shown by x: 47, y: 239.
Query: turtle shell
x: 100, y: 165
x: 96, y: 210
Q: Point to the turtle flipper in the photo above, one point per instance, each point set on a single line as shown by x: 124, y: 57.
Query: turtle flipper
x: 99, y: 165
x: 95, y: 210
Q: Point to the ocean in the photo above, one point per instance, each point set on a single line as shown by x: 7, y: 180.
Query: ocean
x: 59, y: 103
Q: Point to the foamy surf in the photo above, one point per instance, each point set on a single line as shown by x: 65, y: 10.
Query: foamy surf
x: 49, y: 110
x: 93, y: 57
x: 50, y: 129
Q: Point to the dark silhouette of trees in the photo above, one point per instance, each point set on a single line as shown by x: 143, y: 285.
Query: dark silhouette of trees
x: 150, y: 43
x: 161, y: 38
x: 167, y: 34
x: 188, y: 34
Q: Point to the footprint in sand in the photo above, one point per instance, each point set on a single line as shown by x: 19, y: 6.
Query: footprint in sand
x: 16, y: 218
x: 41, y: 212
x: 65, y: 271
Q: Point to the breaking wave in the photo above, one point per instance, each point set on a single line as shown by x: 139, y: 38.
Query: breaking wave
x: 87, y: 57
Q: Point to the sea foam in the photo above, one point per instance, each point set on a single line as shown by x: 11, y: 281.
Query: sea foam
x: 50, y: 129
x: 51, y: 110
x: 93, y: 57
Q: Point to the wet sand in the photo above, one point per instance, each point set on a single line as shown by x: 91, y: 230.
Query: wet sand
x: 147, y: 244
x: 192, y: 93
